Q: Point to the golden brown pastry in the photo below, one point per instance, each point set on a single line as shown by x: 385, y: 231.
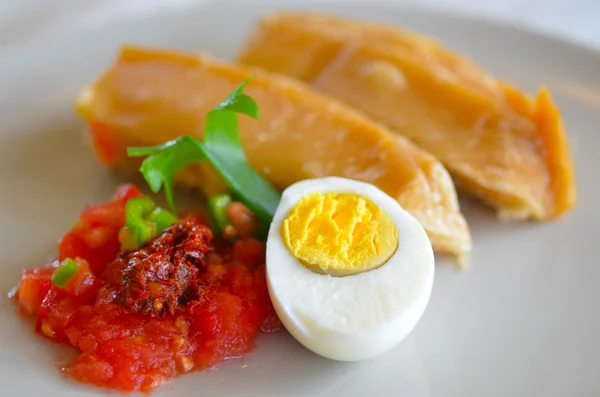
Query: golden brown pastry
x: 149, y: 96
x: 500, y: 145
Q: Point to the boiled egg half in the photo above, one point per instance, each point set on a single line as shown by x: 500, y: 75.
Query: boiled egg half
x: 349, y: 271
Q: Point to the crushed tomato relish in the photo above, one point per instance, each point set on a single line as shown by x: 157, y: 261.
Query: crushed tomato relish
x: 181, y: 302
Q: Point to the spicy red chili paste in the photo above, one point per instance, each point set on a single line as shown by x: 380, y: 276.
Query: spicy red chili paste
x: 183, y: 301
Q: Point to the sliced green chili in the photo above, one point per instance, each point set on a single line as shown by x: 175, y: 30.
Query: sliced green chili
x: 143, y: 222
x: 136, y: 210
x: 162, y: 218
x: 128, y: 239
x: 64, y: 272
x: 217, y: 205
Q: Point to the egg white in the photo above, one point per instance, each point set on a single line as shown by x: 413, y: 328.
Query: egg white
x: 355, y: 317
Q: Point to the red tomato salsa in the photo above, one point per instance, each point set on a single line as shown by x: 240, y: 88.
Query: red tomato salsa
x: 184, y: 301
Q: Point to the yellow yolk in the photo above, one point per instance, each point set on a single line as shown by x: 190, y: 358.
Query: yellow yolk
x: 339, y: 234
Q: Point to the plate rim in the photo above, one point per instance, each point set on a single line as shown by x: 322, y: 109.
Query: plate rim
x: 55, y: 29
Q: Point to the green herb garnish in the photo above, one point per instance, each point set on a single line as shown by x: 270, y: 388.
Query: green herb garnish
x: 217, y: 206
x: 64, y: 272
x: 222, y: 147
x: 162, y: 218
x: 143, y: 222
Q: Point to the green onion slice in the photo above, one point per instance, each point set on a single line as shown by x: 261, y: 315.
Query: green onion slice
x: 162, y: 218
x: 136, y: 210
x: 64, y: 272
x: 217, y: 205
x: 144, y: 221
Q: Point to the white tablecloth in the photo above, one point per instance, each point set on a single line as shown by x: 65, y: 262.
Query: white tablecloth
x: 578, y: 20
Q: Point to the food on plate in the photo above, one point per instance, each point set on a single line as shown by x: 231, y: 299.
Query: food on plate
x: 144, y: 294
x: 184, y: 300
x: 349, y: 271
x: 500, y: 145
x: 329, y: 238
x: 149, y: 97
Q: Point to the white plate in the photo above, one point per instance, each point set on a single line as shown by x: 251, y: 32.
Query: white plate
x: 522, y: 321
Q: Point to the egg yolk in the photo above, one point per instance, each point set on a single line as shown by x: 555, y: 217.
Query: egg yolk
x: 339, y: 234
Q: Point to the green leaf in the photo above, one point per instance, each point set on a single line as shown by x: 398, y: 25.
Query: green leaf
x: 164, y: 161
x: 254, y: 191
x: 222, y: 147
x: 221, y: 132
x: 239, y: 102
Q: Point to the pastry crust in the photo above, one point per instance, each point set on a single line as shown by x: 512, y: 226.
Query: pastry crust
x: 151, y: 96
x: 500, y: 145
